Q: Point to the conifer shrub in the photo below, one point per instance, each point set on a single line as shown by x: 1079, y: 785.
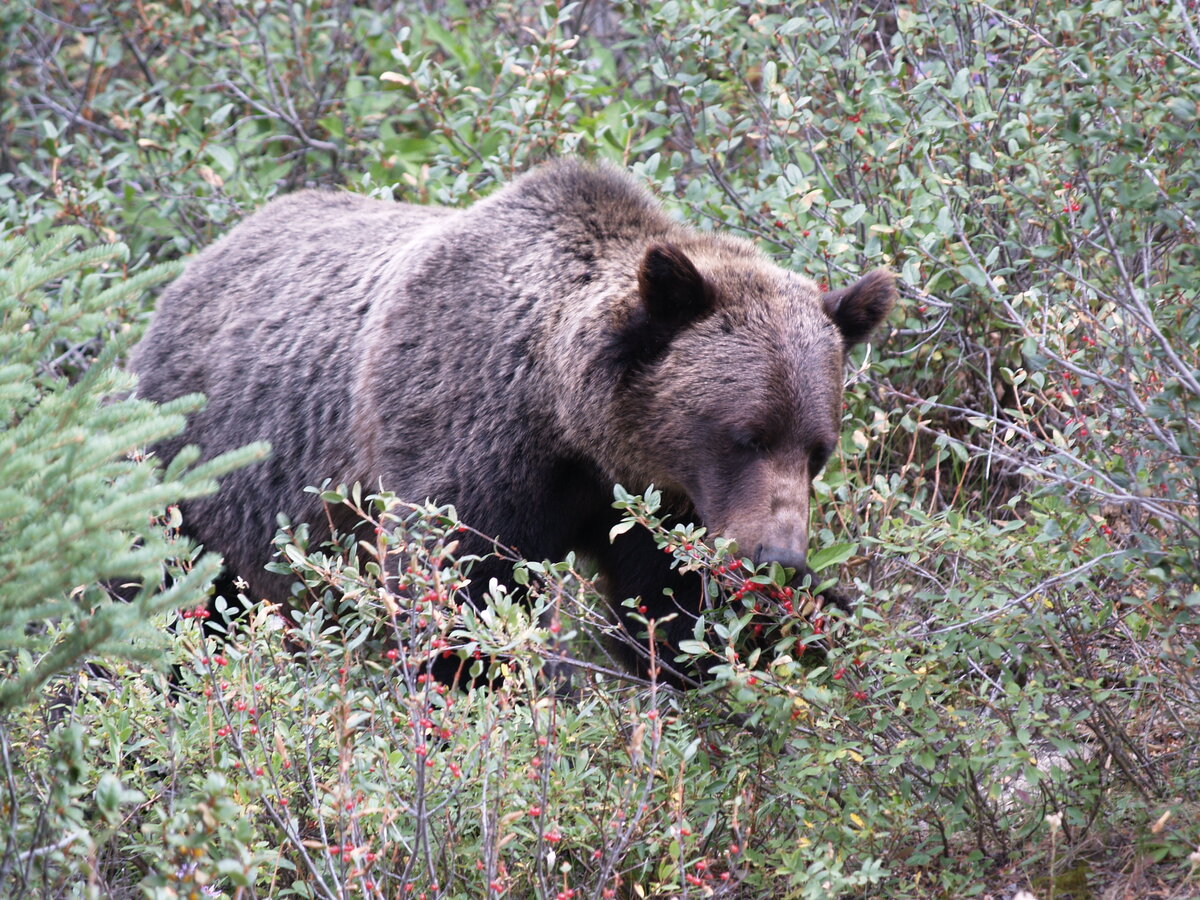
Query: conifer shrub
x: 83, y: 513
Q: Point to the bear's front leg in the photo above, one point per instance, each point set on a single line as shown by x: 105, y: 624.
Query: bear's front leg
x: 633, y: 566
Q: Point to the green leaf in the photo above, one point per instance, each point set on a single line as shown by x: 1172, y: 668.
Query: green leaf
x: 833, y: 555
x: 620, y: 528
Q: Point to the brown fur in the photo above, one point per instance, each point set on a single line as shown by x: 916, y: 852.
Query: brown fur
x: 516, y: 358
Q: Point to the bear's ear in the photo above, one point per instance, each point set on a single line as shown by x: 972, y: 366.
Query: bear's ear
x: 858, y: 309
x: 671, y: 295
x: 672, y: 289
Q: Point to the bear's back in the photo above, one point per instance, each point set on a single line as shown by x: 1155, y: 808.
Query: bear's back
x: 289, y: 273
x: 265, y: 323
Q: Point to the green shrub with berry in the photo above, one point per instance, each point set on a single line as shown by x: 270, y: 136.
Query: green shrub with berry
x: 1011, y: 703
x: 323, y: 759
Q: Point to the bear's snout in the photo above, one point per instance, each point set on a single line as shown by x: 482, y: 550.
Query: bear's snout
x: 788, y: 557
x: 770, y: 523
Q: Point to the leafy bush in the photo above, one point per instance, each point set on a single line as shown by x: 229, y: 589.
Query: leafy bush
x: 1016, y: 497
x: 326, y: 760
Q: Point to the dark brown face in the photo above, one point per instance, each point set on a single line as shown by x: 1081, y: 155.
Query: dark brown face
x: 743, y: 406
x: 754, y: 480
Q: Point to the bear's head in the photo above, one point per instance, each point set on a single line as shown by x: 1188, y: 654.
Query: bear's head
x: 729, y: 386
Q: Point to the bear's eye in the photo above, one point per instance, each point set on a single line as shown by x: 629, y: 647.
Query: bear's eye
x: 750, y: 442
x: 818, y: 457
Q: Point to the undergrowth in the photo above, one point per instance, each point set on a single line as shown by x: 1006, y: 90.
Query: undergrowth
x: 1012, y: 701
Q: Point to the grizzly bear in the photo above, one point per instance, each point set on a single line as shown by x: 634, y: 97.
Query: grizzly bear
x: 517, y: 358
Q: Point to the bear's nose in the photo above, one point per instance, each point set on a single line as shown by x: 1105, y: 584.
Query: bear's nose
x: 790, y: 559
